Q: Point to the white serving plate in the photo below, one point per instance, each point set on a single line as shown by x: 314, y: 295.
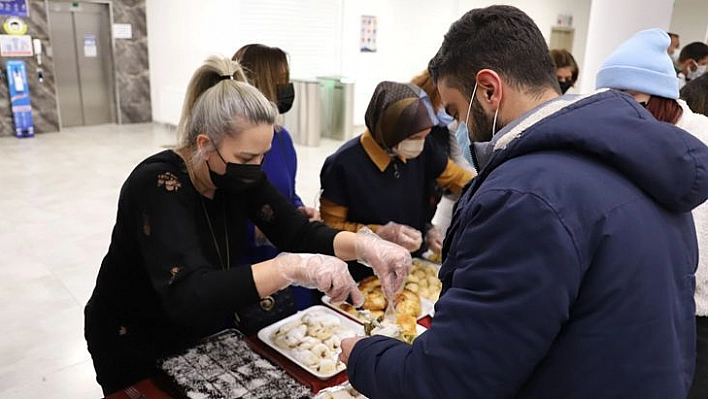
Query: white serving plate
x: 426, y: 308
x: 266, y: 335
x: 344, y: 390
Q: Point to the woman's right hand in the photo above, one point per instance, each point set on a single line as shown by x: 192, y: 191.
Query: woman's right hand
x: 325, y: 273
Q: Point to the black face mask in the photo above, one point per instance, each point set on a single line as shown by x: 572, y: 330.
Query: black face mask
x: 565, y: 86
x: 286, y: 96
x: 238, y: 177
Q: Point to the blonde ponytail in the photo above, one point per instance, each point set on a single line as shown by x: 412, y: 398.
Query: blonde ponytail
x: 220, y: 102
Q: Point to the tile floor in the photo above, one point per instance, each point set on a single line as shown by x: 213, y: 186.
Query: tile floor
x: 56, y: 214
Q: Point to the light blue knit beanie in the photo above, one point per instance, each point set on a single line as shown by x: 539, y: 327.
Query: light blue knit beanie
x: 641, y: 64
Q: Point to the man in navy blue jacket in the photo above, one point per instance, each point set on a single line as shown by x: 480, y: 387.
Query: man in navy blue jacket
x: 568, y: 267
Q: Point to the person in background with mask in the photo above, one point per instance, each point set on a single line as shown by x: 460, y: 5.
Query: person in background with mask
x: 568, y: 266
x: 267, y: 69
x: 444, y: 135
x: 673, y: 49
x: 170, y: 276
x: 692, y: 62
x: 385, y: 178
x: 566, y: 69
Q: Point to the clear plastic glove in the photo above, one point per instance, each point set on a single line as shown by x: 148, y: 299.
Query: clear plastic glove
x: 390, y: 262
x: 434, y: 239
x: 405, y: 236
x: 325, y: 273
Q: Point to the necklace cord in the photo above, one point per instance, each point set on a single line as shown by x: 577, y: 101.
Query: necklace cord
x: 226, y: 266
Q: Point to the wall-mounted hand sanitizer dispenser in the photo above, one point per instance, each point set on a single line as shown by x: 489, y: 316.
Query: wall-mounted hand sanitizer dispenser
x: 20, y: 98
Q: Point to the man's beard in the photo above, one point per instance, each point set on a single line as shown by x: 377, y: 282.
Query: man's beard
x: 482, y: 124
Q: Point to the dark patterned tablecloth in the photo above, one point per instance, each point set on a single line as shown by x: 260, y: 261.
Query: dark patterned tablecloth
x: 224, y: 366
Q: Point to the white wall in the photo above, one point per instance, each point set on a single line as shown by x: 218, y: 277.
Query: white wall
x: 409, y: 34
x: 183, y: 33
x: 690, y: 21
x: 321, y: 36
x: 545, y: 13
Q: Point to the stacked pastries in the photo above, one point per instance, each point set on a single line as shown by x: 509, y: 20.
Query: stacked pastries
x: 423, y: 280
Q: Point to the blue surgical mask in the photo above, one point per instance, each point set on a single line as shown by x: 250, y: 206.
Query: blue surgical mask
x: 463, y: 135
x: 463, y: 140
x: 443, y: 118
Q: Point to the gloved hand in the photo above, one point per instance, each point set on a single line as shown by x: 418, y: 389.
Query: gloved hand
x: 434, y: 239
x: 325, y: 273
x: 390, y: 262
x: 405, y: 236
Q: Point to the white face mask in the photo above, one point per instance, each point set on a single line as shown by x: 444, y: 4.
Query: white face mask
x: 700, y: 70
x: 410, y: 148
x: 674, y: 57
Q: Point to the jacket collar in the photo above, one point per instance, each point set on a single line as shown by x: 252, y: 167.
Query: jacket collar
x: 378, y: 155
x: 483, y: 152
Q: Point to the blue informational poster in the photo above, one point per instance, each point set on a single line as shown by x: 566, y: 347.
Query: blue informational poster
x: 20, y: 98
x: 15, y: 8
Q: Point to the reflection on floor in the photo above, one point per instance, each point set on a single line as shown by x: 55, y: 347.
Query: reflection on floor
x: 58, y: 205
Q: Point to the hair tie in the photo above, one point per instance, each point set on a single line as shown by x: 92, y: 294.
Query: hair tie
x: 226, y: 77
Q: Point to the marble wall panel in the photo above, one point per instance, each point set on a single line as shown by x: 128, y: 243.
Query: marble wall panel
x: 43, y: 94
x: 131, y: 65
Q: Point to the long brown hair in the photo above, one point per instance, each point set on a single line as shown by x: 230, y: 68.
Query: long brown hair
x: 664, y: 109
x: 564, y: 59
x: 265, y: 67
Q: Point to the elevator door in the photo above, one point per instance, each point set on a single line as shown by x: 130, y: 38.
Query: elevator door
x: 83, y: 62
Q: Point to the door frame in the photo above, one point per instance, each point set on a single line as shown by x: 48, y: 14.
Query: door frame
x: 116, y: 93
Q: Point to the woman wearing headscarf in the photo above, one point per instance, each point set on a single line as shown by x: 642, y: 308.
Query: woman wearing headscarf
x: 385, y: 179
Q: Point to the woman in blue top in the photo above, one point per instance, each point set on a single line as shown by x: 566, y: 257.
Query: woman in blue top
x: 267, y: 69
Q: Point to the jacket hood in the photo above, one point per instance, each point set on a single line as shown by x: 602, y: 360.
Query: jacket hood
x: 663, y: 160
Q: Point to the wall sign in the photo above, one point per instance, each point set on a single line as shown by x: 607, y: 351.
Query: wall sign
x: 14, y: 26
x: 15, y: 46
x: 90, y: 49
x: 368, y: 34
x: 15, y: 8
x: 122, y: 31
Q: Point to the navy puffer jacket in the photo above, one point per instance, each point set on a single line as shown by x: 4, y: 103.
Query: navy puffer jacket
x: 569, y: 265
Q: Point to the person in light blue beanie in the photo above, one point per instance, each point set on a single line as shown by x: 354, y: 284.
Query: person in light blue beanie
x: 642, y: 67
x: 641, y: 64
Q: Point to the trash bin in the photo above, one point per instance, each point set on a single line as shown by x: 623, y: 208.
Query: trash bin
x: 337, y: 109
x: 303, y: 119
